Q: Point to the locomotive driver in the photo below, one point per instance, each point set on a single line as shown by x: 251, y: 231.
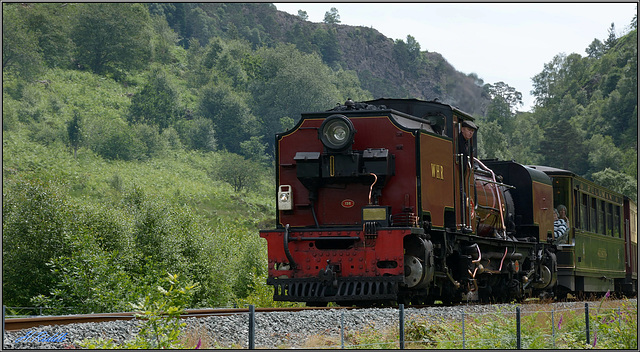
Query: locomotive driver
x: 465, y: 150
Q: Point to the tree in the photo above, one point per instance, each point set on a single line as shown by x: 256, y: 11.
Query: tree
x: 544, y: 83
x: 253, y: 149
x: 231, y: 116
x: 617, y: 181
x: 35, y: 218
x: 562, y: 147
x: 74, y: 133
x: 493, y: 142
x: 112, y: 37
x: 510, y: 95
x: 198, y: 134
x: 611, y: 40
x: 157, y: 103
x: 332, y: 16
x: 291, y: 83
x: 595, y: 50
x: 603, y: 154
x: 303, y: 15
x: 21, y: 53
x: 236, y: 170
x: 49, y: 23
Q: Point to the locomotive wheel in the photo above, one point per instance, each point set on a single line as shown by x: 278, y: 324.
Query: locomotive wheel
x: 412, y: 271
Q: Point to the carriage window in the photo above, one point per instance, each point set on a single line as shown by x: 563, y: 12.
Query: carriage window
x: 593, y: 216
x: 601, y: 217
x: 584, y: 213
x: 610, y: 231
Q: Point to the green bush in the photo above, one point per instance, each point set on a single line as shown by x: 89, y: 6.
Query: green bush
x: 34, y: 230
x: 160, y: 310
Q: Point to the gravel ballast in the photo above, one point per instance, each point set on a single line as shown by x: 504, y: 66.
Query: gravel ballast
x: 272, y: 330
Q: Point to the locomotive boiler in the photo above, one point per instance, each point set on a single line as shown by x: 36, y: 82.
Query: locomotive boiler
x: 381, y: 202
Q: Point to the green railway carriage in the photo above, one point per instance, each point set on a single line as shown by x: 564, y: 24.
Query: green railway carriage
x: 592, y: 257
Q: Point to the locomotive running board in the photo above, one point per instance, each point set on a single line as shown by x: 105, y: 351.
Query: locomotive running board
x: 347, y: 289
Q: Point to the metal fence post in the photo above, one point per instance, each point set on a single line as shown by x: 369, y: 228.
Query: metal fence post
x: 586, y: 319
x: 553, y: 327
x: 463, y: 341
x: 4, y: 313
x: 342, y: 330
x: 252, y: 327
x: 518, y: 342
x: 402, y: 326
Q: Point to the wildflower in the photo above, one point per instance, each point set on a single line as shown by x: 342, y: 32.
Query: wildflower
x: 199, y: 344
x: 608, y: 294
x: 560, y: 323
x: 595, y: 338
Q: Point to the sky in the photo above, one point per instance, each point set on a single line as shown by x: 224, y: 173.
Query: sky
x: 508, y: 42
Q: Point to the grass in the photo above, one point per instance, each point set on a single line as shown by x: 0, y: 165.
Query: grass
x: 613, y: 325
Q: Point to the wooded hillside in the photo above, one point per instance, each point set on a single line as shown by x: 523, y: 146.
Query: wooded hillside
x: 138, y: 138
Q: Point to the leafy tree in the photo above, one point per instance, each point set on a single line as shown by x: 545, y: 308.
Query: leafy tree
x: 407, y: 54
x: 596, y: 49
x: 116, y: 140
x: 34, y: 230
x: 230, y: 114
x: 112, y: 37
x: 327, y: 43
x: 332, y: 16
x: 603, y: 153
x: 500, y: 112
x: 509, y: 94
x: 562, y: 147
x: 21, y: 52
x: 153, y: 144
x: 74, y: 133
x: 525, y: 139
x: 617, y: 181
x: 253, y: 149
x: 197, y: 134
x: 286, y: 123
x: 290, y: 83
x: 158, y: 101
x: 493, y: 142
x: 303, y: 15
x: 544, y: 83
x: 164, y: 42
x: 236, y: 171
x: 49, y: 23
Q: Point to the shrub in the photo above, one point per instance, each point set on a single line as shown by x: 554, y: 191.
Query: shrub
x: 34, y: 230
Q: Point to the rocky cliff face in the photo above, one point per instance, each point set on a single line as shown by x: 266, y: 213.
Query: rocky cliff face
x: 364, y: 50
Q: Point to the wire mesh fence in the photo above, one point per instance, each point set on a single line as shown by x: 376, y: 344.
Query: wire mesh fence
x: 604, y: 324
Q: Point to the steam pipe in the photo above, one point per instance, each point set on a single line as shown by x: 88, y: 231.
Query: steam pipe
x: 286, y: 246
x: 479, y: 254
x: 493, y: 176
x: 502, y: 261
x: 375, y: 179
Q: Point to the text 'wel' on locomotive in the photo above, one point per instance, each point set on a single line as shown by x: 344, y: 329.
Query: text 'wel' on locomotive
x: 384, y: 201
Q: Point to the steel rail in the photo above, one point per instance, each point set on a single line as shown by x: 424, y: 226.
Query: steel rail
x: 13, y: 324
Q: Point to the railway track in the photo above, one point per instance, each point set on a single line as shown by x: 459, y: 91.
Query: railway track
x: 13, y: 324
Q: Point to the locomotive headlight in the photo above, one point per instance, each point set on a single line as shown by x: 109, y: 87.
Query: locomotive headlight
x: 336, y: 133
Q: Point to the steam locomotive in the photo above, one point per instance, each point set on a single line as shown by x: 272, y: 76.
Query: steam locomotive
x: 384, y: 202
